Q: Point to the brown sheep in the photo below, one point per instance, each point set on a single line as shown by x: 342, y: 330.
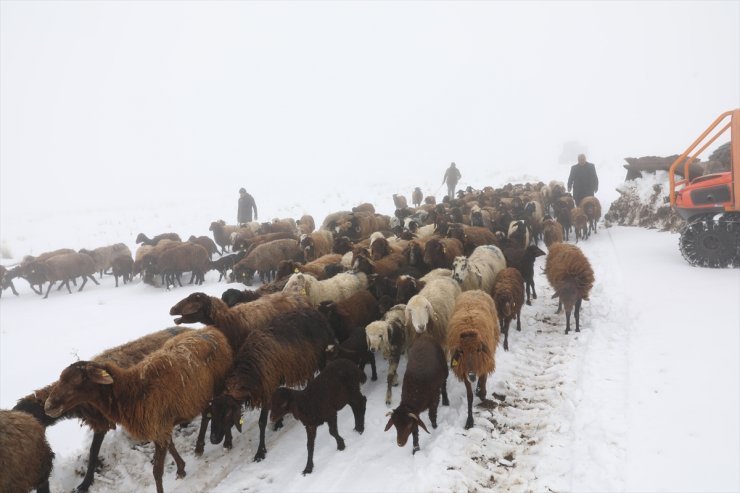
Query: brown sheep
x: 182, y: 257
x: 388, y: 266
x: 123, y: 266
x: 365, y: 207
x: 264, y: 260
x: 317, y: 268
x: 592, y: 208
x: 170, y: 386
x: 222, y: 234
x: 552, y: 231
x: 441, y: 252
x: 288, y: 352
x: 36, y: 278
x: 400, y: 201
x: 125, y: 355
x: 571, y: 276
x: 333, y: 220
x: 508, y: 294
x: 580, y: 223
x: 25, y: 454
x: 64, y: 268
x: 142, y: 238
x: 472, y: 337
x: 316, y: 244
x: 380, y: 247
x: 248, y: 243
x: 286, y: 225
x: 240, y: 320
x: 206, y: 243
x: 306, y: 224
x: 146, y: 256
x: 358, y: 310
x: 471, y: 237
x: 103, y: 256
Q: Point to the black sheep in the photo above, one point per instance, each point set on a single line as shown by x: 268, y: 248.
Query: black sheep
x: 425, y: 377
x: 335, y: 387
x: 355, y: 349
x: 523, y: 260
x: 233, y: 297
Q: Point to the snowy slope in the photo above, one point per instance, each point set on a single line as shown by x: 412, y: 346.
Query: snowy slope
x: 645, y: 398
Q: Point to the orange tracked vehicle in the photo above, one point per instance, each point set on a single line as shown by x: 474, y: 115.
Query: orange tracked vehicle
x: 710, y: 203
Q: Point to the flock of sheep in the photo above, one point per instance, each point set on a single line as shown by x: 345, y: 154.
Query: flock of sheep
x: 440, y: 283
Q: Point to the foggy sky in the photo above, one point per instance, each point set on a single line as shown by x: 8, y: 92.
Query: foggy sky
x: 157, y: 96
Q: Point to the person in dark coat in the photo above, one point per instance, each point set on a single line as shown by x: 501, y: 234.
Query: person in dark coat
x: 452, y: 176
x: 583, y: 180
x: 246, y: 204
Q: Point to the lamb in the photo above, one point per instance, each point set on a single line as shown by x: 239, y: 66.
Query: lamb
x: 233, y: 297
x: 424, y: 380
x: 552, y: 232
x: 103, y: 256
x: 288, y: 352
x: 123, y: 266
x: 579, y: 220
x: 206, y: 243
x: 523, y: 260
x: 306, y: 224
x: 592, y: 208
x: 337, y: 288
x: 357, y: 310
x: 430, y: 310
x: 354, y: 349
x: 143, y: 239
x: 265, y: 259
x: 125, y: 355
x: 441, y: 252
x: 223, y: 264
x: 335, y: 387
x: 6, y: 279
x: 391, y: 336
x: 64, y: 268
x: 239, y: 321
x: 472, y: 338
x: 25, y: 454
x: 417, y: 196
x: 480, y: 269
x: 400, y: 201
x: 508, y: 295
x: 168, y: 387
x: 316, y: 244
x: 222, y: 234
x: 571, y: 276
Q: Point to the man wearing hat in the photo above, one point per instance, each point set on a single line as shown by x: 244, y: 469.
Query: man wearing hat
x: 246, y: 204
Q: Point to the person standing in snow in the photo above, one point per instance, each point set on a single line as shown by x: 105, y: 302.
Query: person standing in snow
x: 583, y: 180
x: 452, y: 176
x: 246, y: 204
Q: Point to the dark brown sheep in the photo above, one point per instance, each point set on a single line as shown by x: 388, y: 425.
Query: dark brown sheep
x: 64, y: 268
x: 233, y: 297
x: 6, y: 279
x: 508, y: 294
x: 222, y: 234
x: 400, y: 201
x: 288, y: 352
x: 143, y: 239
x: 381, y: 247
x: 170, y: 386
x: 523, y: 260
x: 592, y: 208
x: 182, y: 257
x: 206, y: 243
x: 441, y: 252
x: 389, y: 266
x: 579, y: 221
x: 316, y: 267
x: 335, y: 387
x: 103, y: 256
x: 123, y: 266
x: 359, y: 309
x: 227, y: 262
x: 125, y: 355
x: 424, y: 380
x: 552, y: 232
x: 264, y: 260
x: 417, y: 196
x: 354, y: 349
x: 571, y: 276
x: 471, y: 237
x: 25, y: 455
x: 239, y: 321
x: 316, y: 244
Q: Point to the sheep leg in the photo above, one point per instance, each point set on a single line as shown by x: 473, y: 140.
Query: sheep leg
x: 261, y: 449
x: 62, y: 285
x: 43, y: 487
x: 37, y: 291
x: 469, y: 390
x: 358, y: 403
x: 158, y: 470
x: 48, y: 289
x: 445, y: 400
x: 481, y: 390
x: 415, y: 438
x: 433, y: 410
x: 179, y: 281
x: 117, y: 280
x: 567, y: 321
x: 12, y: 288
x: 192, y: 277
x: 506, y: 323
x: 334, y: 431
x: 534, y: 292
x: 178, y: 460
x: 84, y: 281
x: 578, y: 314
x: 200, y: 442
x: 92, y: 461
x: 311, y: 439
x: 392, y: 368
x: 93, y: 280
x: 371, y: 357
x: 529, y: 301
x: 278, y: 424
x: 560, y: 306
x: 519, y: 320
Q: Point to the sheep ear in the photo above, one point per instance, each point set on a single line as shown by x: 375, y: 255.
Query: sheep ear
x: 98, y: 375
x: 418, y: 421
x: 389, y: 424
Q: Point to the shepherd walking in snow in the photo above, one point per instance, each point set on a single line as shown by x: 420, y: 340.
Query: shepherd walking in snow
x: 583, y: 180
x: 246, y: 204
x: 452, y: 176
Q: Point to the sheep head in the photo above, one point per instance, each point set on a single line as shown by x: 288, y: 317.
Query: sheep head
x: 470, y: 355
x: 363, y: 264
x: 141, y: 238
x: 460, y: 268
x: 379, y: 249
x: 79, y: 383
x: 419, y: 313
x: 194, y: 308
x: 225, y: 413
x: 378, y: 335
x: 404, y: 420
x: 341, y: 245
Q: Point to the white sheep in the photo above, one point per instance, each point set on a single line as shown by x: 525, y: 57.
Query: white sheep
x: 480, y: 269
x: 337, y: 288
x: 430, y: 310
x: 393, y: 337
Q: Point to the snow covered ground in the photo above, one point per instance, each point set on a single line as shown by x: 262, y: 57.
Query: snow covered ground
x: 645, y: 398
